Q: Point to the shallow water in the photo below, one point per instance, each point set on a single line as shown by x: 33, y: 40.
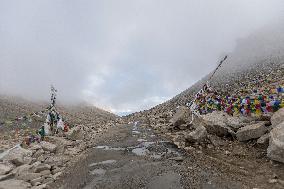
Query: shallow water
x: 103, y: 163
x: 108, y: 148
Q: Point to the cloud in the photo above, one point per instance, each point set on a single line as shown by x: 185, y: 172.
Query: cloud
x: 120, y: 55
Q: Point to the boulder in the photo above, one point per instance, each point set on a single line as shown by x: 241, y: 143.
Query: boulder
x: 6, y: 177
x: 22, y: 170
x: 253, y: 131
x: 43, y: 186
x: 5, y: 168
x: 234, y: 122
x: 264, y: 139
x: 42, y: 167
x: 278, y: 117
x: 60, y: 142
x: 198, y: 135
x: 14, y: 184
x: 37, y: 181
x: 275, y: 150
x: 38, y: 153
x: 180, y: 117
x: 216, y: 123
x: 216, y: 141
x: 47, y: 146
x: 16, y: 155
x: 29, y: 176
x: 35, y: 146
x: 75, y: 134
x: 57, y: 160
x: 56, y: 175
x: 45, y: 172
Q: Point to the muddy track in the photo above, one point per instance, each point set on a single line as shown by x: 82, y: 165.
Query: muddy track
x: 132, y: 156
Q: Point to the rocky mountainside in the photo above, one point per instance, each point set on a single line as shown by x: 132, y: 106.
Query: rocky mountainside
x: 240, y: 146
x: 42, y: 162
x: 257, y: 60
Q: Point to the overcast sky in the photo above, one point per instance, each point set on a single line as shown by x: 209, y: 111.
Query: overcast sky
x: 120, y: 55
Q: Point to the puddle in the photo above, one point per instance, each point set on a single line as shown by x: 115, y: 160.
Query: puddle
x: 103, y: 163
x: 141, y: 140
x: 108, y: 148
x: 98, y: 172
x: 155, y: 150
x: 140, y: 151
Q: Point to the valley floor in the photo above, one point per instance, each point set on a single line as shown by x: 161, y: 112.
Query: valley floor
x: 134, y: 156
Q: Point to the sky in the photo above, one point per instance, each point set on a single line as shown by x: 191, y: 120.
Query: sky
x: 122, y: 56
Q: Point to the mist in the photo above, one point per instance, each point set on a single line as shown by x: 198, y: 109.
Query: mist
x: 125, y: 56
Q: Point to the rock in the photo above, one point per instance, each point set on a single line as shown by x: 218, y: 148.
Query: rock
x: 14, y: 184
x: 16, y: 155
x: 216, y: 141
x: 43, y: 186
x: 179, y: 158
x: 5, y: 168
x: 275, y: 150
x: 56, y: 175
x: 29, y: 176
x: 264, y: 139
x: 60, y: 142
x: 183, y: 126
x: 56, y: 170
x: 6, y: 177
x: 198, y: 135
x: 37, y: 181
x: 234, y: 122
x: 48, y: 180
x: 216, y: 123
x: 272, y: 181
x: 57, y: 160
x: 251, y: 131
x: 278, y: 117
x: 180, y: 117
x: 22, y: 170
x: 38, y: 153
x: 45, y: 172
x: 47, y: 146
x: 75, y: 134
x: 42, y: 167
x: 35, y: 146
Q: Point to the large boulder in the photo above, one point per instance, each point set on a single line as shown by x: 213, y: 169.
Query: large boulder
x: 253, y: 131
x: 47, y: 146
x: 278, y: 117
x: 275, y: 149
x: 217, y: 123
x: 14, y: 184
x: 180, y: 117
x: 16, y: 155
x: 5, y: 168
x: 264, y: 139
x: 198, y: 135
x: 42, y: 167
x: 29, y: 176
x: 22, y: 170
x: 75, y: 133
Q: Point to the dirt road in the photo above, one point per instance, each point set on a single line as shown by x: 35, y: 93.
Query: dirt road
x: 132, y: 156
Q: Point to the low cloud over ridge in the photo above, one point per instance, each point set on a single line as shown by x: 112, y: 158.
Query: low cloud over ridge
x: 124, y: 55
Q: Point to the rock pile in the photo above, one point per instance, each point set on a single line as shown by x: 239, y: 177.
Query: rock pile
x: 40, y: 164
